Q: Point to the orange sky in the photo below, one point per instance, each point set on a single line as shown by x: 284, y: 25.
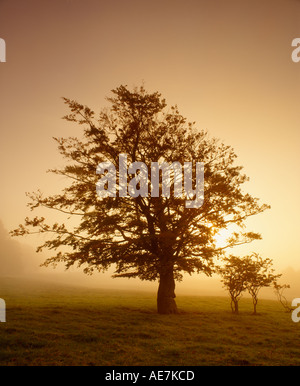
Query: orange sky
x: 226, y: 64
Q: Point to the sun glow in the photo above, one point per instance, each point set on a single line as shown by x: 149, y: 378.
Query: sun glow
x: 222, y: 237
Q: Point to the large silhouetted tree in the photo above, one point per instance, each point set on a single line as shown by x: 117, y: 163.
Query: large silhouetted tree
x: 152, y: 238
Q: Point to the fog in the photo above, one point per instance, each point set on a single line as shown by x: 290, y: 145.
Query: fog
x: 13, y: 255
x: 19, y: 260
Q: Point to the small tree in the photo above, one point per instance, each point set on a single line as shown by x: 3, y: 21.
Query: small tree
x: 234, y: 279
x: 279, y: 289
x: 246, y: 273
x: 259, y: 275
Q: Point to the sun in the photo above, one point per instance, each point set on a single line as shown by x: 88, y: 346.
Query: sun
x: 222, y: 236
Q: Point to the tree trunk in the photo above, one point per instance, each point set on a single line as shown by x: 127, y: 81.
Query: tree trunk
x: 166, y: 293
x: 235, y: 306
x: 254, y: 306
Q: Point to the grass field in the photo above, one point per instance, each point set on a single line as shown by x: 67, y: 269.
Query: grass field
x: 51, y: 324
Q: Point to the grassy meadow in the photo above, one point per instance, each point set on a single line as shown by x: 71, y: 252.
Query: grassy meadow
x: 53, y: 324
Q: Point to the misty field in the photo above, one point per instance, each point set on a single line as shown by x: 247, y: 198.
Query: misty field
x: 51, y: 324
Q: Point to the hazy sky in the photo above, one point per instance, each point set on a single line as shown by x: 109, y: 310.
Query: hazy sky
x: 226, y: 64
